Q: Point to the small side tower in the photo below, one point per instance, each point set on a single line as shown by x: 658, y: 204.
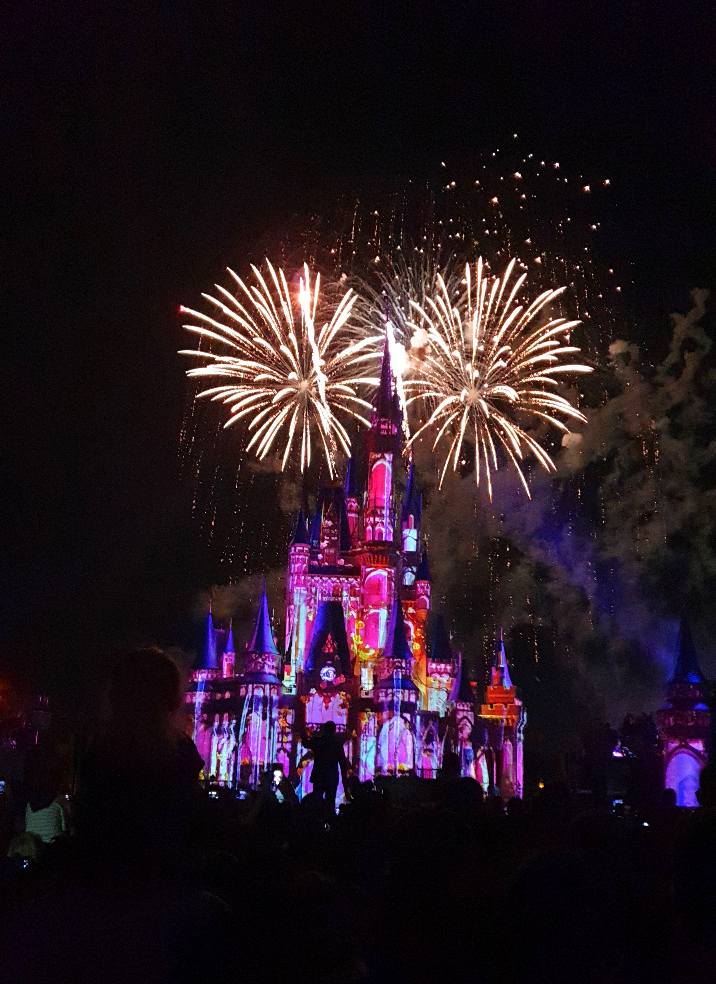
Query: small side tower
x: 296, y: 598
x: 684, y: 722
x: 228, y: 660
x: 352, y: 501
x: 259, y: 693
x: 410, y: 516
x: 464, y: 701
x: 503, y: 719
x: 397, y: 700
x: 200, y: 694
x: 440, y: 667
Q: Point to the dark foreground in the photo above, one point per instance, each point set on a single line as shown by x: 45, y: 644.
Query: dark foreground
x: 448, y: 889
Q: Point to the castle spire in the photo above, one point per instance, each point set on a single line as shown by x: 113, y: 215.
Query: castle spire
x: 501, y: 671
x: 229, y: 647
x: 300, y: 533
x: 396, y: 642
x: 349, y: 480
x: 314, y: 534
x: 262, y: 641
x: 464, y: 688
x: 383, y: 400
x: 423, y: 571
x: 413, y: 498
x: 439, y: 647
x: 206, y: 660
x: 686, y: 668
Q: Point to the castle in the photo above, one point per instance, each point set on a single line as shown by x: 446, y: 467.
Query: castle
x: 360, y: 649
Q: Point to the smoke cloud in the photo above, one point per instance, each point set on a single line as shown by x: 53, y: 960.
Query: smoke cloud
x: 602, y: 562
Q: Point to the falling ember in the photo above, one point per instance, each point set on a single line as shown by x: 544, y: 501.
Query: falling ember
x: 487, y: 362
x: 288, y: 380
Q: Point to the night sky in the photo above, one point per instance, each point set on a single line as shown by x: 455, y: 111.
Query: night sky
x: 147, y: 151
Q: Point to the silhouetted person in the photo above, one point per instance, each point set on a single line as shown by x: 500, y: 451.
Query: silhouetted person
x: 329, y: 761
x: 706, y: 793
x: 139, y: 796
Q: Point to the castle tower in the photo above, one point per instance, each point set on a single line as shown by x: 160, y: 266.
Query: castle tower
x: 410, y: 516
x: 379, y: 558
x: 383, y: 442
x: 464, y: 701
x: 503, y: 719
x: 397, y: 699
x: 684, y: 722
x: 200, y: 692
x: 228, y: 660
x: 351, y: 496
x: 259, y: 693
x: 296, y: 598
x: 440, y: 667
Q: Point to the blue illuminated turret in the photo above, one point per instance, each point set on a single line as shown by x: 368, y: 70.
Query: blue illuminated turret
x: 500, y: 669
x: 207, y: 659
x: 439, y: 648
x: 413, y: 498
x: 686, y: 669
x: 396, y: 642
x: 423, y: 571
x: 315, y: 525
x: 300, y: 534
x: 262, y: 641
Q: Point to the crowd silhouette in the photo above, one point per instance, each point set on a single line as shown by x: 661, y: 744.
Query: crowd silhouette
x: 147, y: 877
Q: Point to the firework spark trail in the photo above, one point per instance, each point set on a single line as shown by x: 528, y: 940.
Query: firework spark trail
x: 284, y: 374
x: 489, y: 360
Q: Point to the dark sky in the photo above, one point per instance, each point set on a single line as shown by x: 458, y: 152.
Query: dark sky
x: 147, y: 149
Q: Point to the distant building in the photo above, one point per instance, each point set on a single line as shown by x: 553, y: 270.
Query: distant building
x: 360, y: 649
x: 684, y: 722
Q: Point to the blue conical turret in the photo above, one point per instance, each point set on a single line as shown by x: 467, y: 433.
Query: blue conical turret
x: 686, y: 669
x: 314, y: 535
x: 423, y: 571
x: 396, y: 642
x: 349, y: 482
x: 501, y: 671
x: 439, y: 648
x: 413, y: 498
x: 207, y: 660
x: 229, y: 647
x: 262, y: 641
x: 300, y: 533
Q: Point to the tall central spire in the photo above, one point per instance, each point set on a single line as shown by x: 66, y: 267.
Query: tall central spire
x: 387, y: 416
x: 383, y: 401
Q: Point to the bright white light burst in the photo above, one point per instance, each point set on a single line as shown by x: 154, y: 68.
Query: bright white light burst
x: 287, y: 379
x: 490, y: 362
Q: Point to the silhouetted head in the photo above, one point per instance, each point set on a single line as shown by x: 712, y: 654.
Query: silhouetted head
x: 668, y: 798
x: 706, y: 793
x: 145, y: 684
x: 329, y: 728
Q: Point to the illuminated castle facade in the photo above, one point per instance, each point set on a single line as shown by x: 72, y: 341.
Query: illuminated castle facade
x: 360, y: 648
